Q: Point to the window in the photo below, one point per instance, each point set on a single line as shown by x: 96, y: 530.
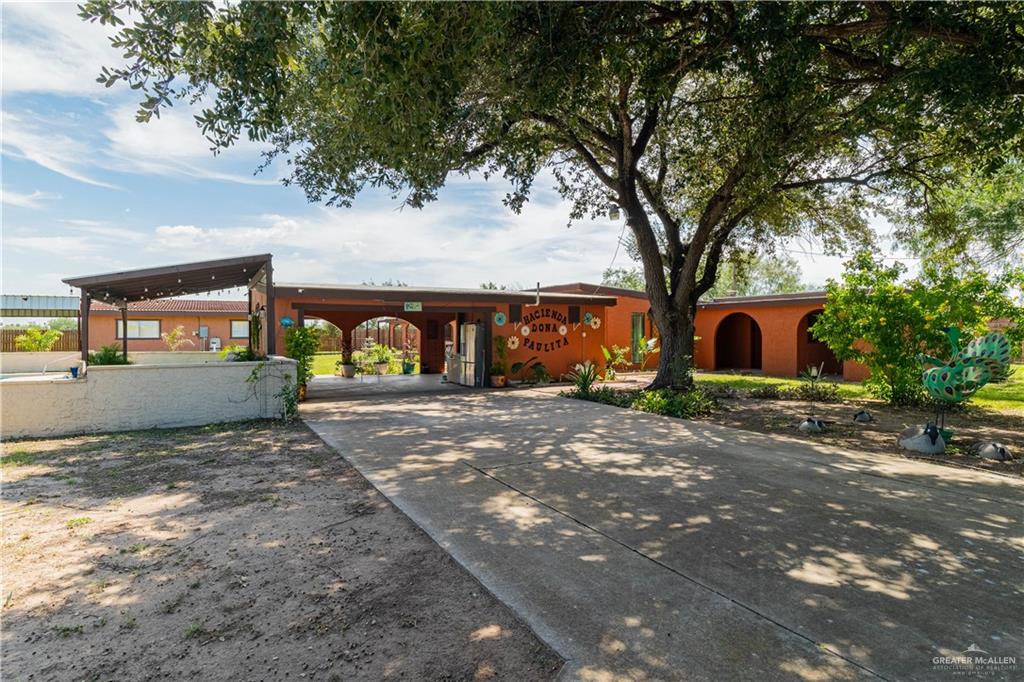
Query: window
x: 140, y: 329
x: 637, y: 334
x: 574, y: 314
x: 515, y: 312
x: 239, y: 329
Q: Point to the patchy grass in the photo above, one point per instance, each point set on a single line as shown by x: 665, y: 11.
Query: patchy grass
x: 1005, y: 397
x: 77, y: 522
x: 16, y: 459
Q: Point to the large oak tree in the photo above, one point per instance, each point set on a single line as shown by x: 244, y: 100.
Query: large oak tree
x: 715, y: 127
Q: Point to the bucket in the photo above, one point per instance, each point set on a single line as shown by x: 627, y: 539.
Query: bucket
x: 74, y: 372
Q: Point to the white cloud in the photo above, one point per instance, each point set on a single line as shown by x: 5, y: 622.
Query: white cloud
x: 443, y: 244
x: 47, y: 48
x: 174, y: 145
x: 34, y: 200
x: 48, y: 144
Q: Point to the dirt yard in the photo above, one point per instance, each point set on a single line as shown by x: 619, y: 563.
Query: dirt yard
x: 243, y: 552
x: 969, y: 427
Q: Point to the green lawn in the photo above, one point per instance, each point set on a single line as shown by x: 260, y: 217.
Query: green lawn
x: 1008, y: 396
x: 323, y: 363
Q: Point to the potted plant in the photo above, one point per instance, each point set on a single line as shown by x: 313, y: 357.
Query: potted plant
x: 302, y: 343
x: 497, y: 372
x: 408, y: 359
x: 380, y: 356
x: 346, y: 367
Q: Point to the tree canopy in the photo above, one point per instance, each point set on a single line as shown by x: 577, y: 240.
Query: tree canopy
x: 716, y: 127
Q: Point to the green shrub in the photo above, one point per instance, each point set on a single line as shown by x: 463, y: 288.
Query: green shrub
x: 815, y: 392
x: 766, y: 392
x: 302, y: 343
x: 681, y: 404
x: 583, y: 376
x: 238, y: 354
x: 110, y: 354
x: 37, y: 340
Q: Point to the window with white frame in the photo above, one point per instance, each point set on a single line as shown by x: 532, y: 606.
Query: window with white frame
x: 140, y: 329
x: 239, y: 329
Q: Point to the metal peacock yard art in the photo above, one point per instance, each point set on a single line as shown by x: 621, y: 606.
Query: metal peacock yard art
x: 967, y: 370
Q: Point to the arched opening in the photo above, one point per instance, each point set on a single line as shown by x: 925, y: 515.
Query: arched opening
x: 738, y: 343
x: 401, y: 336
x: 811, y: 352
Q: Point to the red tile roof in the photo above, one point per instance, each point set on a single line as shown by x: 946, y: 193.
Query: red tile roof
x: 178, y: 305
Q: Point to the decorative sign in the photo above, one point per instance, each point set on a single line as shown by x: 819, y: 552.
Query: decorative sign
x: 413, y: 306
x: 549, y: 325
x: 513, y: 342
x: 588, y: 318
x: 500, y: 319
x: 287, y: 322
x: 596, y: 323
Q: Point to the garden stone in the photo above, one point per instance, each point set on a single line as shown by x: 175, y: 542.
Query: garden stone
x: 924, y: 439
x: 863, y: 417
x: 996, y: 451
x: 812, y: 425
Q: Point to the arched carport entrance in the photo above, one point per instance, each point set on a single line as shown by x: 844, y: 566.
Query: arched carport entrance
x: 738, y: 343
x: 812, y: 352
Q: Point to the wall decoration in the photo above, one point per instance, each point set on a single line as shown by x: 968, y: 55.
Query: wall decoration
x: 588, y: 318
x: 596, y: 323
x: 500, y: 319
x: 546, y: 329
x: 287, y: 322
x: 513, y: 342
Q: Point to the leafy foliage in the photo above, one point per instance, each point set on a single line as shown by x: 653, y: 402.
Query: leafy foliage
x: 531, y: 370
x: 500, y: 355
x: 111, y: 354
x: 584, y: 376
x: 666, y: 402
x: 614, y: 360
x: 750, y: 274
x: 717, y: 128
x: 239, y: 354
x: 302, y: 343
x: 875, y: 318
x: 176, y: 338
x: 624, y: 278
x: 36, y: 340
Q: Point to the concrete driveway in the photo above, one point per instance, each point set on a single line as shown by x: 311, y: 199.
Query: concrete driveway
x: 642, y: 547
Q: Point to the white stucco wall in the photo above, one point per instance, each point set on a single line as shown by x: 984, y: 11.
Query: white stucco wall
x: 127, y: 397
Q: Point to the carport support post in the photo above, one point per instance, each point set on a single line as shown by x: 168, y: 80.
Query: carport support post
x: 124, y: 331
x: 83, y: 327
x: 271, y: 327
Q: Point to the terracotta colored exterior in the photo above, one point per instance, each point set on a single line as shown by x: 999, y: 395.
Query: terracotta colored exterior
x: 767, y: 334
x: 437, y: 324
x: 191, y: 314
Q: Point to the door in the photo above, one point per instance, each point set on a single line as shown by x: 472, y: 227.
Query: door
x: 468, y: 355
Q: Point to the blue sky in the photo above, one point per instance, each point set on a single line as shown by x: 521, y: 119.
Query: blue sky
x: 86, y: 189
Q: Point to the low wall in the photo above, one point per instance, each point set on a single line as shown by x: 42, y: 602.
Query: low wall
x: 127, y: 397
x: 59, y: 361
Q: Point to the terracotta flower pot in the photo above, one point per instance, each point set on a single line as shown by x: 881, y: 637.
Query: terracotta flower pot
x: 498, y: 380
x: 302, y: 392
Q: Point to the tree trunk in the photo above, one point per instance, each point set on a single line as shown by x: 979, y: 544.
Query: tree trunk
x: 675, y: 360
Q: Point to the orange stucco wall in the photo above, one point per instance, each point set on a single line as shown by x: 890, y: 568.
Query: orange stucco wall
x: 103, y: 329
x: 785, y: 348
x: 558, y: 352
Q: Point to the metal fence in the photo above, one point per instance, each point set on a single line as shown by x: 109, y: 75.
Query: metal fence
x: 67, y: 342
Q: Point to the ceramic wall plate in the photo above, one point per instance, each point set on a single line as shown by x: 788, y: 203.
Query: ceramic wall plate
x: 500, y: 319
x: 588, y: 318
x: 513, y: 342
x: 563, y: 330
x: 525, y: 331
x: 596, y: 323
